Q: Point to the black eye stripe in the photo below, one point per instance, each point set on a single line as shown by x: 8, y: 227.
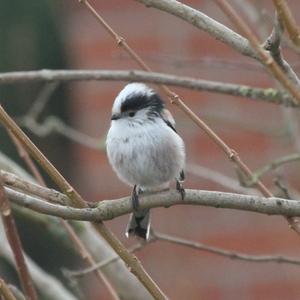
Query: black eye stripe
x: 131, y: 113
x: 138, y: 102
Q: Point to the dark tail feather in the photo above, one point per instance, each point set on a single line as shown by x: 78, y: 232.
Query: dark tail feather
x: 139, y: 224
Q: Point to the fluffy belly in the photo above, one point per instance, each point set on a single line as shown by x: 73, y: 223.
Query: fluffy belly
x: 146, y: 162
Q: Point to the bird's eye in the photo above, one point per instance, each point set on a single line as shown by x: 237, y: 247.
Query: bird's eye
x: 131, y: 114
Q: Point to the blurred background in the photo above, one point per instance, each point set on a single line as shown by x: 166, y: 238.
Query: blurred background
x: 59, y: 35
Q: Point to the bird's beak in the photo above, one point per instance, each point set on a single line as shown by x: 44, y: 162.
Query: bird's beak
x: 115, y: 116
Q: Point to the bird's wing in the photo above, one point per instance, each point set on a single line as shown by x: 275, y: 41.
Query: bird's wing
x: 168, y: 118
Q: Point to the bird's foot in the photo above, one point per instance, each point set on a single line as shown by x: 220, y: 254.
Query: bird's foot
x: 135, y: 198
x: 180, y: 189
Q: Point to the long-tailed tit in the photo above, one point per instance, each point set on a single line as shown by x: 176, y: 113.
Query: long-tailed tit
x: 144, y: 149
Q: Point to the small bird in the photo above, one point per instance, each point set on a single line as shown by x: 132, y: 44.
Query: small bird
x: 144, y: 149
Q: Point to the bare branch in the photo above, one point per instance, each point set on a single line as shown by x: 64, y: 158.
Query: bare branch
x: 287, y: 17
x: 42, y: 99
x: 272, y: 44
x: 226, y: 253
x: 110, y: 209
x: 5, y: 291
x: 269, y: 95
x: 219, y: 179
x: 16, y: 245
x: 16, y: 292
x: 273, y: 165
x: 31, y: 188
x: 203, y: 22
x: 127, y: 285
x: 104, y: 263
x: 268, y: 61
x: 48, y: 285
x: 77, y: 201
x: 157, y: 236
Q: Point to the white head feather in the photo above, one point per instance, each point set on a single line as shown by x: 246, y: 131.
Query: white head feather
x: 130, y: 89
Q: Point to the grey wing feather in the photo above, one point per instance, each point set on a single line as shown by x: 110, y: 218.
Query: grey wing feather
x: 169, y: 120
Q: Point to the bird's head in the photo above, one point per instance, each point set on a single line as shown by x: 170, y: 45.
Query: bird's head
x: 137, y: 103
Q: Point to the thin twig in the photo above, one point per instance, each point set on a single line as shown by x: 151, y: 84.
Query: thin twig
x: 287, y: 17
x: 16, y: 245
x: 272, y: 45
x: 268, y: 95
x: 218, y: 178
x: 42, y: 99
x: 157, y: 236
x: 5, y: 291
x: 49, y: 286
x: 266, y: 58
x: 226, y: 253
x: 77, y: 201
x: 203, y: 22
x: 53, y: 124
x: 26, y: 158
x: 273, y: 165
x: 104, y: 263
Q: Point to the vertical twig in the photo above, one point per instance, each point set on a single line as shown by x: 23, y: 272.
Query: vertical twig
x: 133, y: 263
x: 16, y: 245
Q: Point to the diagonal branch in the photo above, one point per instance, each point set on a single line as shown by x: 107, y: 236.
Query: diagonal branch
x: 77, y: 201
x: 5, y: 291
x: 268, y: 61
x: 127, y: 285
x: 273, y: 165
x: 79, y: 246
x: 205, y: 23
x: 286, y: 16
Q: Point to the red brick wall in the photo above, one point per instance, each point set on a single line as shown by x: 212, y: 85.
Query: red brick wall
x: 254, y: 129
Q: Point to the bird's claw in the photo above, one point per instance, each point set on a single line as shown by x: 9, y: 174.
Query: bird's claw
x: 180, y: 189
x: 135, y: 198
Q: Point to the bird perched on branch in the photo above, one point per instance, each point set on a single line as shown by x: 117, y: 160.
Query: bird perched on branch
x: 144, y: 149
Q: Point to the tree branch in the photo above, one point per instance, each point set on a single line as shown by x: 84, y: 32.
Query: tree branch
x: 290, y: 24
x: 226, y: 253
x: 269, y: 95
x: 5, y: 291
x: 205, y: 23
x: 110, y: 209
x: 13, y: 238
x: 268, y: 61
x: 127, y: 285
x: 276, y: 163
x: 48, y: 285
x: 77, y: 201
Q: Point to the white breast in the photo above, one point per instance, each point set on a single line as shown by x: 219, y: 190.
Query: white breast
x: 149, y: 154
